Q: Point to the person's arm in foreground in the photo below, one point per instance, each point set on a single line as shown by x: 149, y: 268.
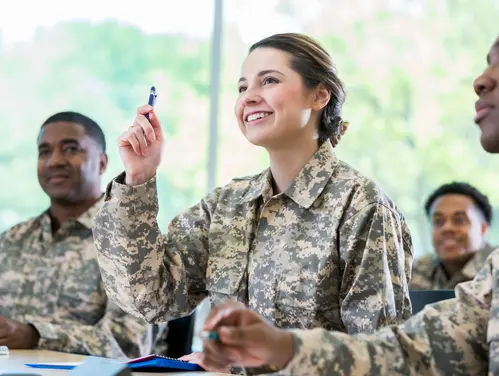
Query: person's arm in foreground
x: 446, y: 337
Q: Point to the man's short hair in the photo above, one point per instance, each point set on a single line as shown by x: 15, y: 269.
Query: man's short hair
x: 465, y: 189
x: 92, y: 129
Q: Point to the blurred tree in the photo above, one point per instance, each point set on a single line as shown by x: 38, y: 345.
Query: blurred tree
x: 408, y: 67
x: 104, y: 70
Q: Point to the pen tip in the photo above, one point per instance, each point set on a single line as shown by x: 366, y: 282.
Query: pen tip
x: 153, y: 88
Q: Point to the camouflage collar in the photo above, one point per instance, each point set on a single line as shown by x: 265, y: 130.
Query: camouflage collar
x: 260, y: 186
x: 306, y: 186
x: 471, y: 268
x: 86, y: 219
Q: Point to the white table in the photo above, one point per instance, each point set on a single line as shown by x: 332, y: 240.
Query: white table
x: 17, y: 359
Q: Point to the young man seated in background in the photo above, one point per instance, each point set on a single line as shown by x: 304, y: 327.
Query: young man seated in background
x: 460, y: 216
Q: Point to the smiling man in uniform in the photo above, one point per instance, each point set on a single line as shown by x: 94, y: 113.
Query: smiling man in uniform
x: 51, y: 292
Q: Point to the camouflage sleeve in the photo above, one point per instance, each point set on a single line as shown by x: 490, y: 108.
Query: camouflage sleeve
x: 376, y: 250
x: 117, y: 335
x: 449, y: 337
x: 148, y: 274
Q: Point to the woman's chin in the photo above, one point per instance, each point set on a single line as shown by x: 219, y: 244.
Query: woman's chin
x: 258, y: 140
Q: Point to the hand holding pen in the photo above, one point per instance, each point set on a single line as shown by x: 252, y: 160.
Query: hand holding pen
x: 236, y: 336
x: 141, y: 145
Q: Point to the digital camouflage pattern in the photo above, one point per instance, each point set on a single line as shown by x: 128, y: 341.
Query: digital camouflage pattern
x: 54, y: 283
x: 332, y: 251
x: 453, y: 337
x: 429, y: 274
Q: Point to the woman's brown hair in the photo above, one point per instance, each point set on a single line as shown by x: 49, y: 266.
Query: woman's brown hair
x: 312, y: 62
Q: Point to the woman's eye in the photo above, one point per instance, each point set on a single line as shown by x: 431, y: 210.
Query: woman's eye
x: 269, y: 80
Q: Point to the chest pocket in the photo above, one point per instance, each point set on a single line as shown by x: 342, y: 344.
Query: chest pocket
x: 224, y: 279
x: 13, y: 276
x: 309, y: 284
x: 32, y: 278
x: 82, y: 293
x: 231, y: 236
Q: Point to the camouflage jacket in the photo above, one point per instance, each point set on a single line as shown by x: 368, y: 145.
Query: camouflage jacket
x: 332, y: 251
x: 429, y: 274
x: 53, y: 282
x: 453, y: 337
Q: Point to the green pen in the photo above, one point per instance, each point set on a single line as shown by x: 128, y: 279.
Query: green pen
x: 213, y: 336
x: 209, y: 335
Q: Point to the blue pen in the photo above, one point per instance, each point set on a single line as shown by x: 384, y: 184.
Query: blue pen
x: 152, y: 99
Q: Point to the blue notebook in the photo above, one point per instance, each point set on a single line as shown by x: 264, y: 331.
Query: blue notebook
x: 153, y: 363
x: 149, y: 363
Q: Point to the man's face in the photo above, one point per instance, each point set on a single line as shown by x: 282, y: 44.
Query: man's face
x: 70, y: 162
x: 487, y: 107
x: 458, y: 227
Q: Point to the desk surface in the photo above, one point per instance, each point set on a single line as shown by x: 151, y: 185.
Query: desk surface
x: 17, y: 358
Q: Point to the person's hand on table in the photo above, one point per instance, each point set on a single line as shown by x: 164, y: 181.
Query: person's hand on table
x: 16, y: 335
x: 246, y: 340
x: 198, y: 358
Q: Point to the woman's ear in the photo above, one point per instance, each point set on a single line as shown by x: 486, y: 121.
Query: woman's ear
x: 322, y: 94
